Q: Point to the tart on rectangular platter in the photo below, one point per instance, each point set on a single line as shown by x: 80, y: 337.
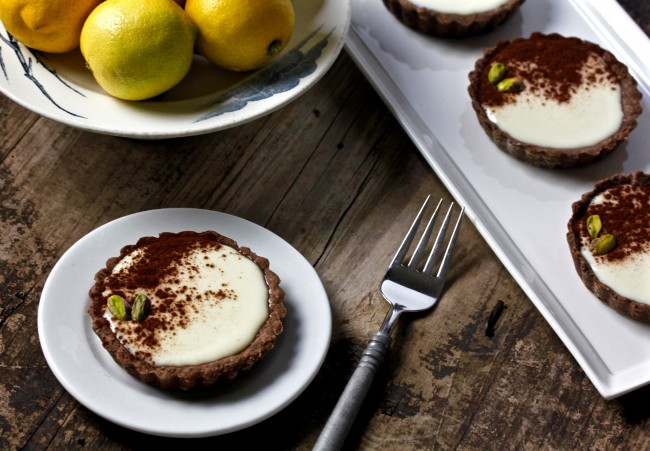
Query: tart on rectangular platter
x: 554, y: 101
x: 452, y: 18
x: 609, y: 239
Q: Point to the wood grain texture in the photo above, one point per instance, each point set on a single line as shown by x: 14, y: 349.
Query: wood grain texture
x: 334, y: 175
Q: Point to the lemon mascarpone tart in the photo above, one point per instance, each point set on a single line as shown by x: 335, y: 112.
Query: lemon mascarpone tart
x: 554, y: 101
x: 452, y: 18
x: 187, y: 309
x: 609, y: 240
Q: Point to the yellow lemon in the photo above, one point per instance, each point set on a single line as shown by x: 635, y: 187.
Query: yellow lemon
x: 138, y: 49
x: 241, y: 35
x: 47, y: 25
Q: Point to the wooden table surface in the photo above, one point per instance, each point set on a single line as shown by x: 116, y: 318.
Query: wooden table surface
x: 333, y: 174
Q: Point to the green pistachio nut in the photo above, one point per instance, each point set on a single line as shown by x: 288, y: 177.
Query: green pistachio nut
x: 511, y: 84
x: 604, y: 244
x: 141, y: 308
x: 118, y: 307
x: 594, y: 226
x: 496, y: 73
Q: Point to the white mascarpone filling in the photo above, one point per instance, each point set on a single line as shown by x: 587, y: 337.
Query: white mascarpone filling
x: 229, y: 304
x: 628, y: 277
x: 463, y: 7
x: 593, y: 114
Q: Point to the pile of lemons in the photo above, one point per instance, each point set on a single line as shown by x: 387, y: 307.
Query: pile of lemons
x: 138, y: 49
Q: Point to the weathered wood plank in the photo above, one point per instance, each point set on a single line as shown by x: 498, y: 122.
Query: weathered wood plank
x: 14, y: 123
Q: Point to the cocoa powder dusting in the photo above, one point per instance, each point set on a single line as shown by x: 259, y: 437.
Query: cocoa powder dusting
x: 157, y: 267
x: 623, y: 213
x: 551, y: 66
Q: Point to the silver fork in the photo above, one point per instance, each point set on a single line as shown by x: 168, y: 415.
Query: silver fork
x: 407, y: 289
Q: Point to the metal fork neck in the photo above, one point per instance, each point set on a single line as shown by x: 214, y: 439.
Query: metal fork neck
x: 391, y: 317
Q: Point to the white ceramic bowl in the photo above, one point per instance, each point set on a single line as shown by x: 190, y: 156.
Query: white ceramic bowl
x: 60, y: 87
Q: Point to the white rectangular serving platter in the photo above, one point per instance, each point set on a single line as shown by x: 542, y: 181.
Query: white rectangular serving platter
x: 520, y: 210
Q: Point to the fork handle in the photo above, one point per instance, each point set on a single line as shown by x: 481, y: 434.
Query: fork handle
x: 346, y: 409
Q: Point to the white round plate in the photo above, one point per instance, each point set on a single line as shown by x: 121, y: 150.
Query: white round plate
x: 86, y: 370
x: 60, y: 87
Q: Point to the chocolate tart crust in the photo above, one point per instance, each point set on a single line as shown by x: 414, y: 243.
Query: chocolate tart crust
x: 547, y: 157
x: 439, y: 24
x: 624, y: 305
x: 190, y: 376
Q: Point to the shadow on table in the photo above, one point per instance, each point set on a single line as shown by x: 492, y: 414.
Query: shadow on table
x: 635, y: 406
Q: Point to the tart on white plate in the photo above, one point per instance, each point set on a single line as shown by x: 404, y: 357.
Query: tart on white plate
x: 188, y: 309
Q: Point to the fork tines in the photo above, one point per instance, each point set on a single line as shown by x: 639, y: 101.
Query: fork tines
x: 420, y: 250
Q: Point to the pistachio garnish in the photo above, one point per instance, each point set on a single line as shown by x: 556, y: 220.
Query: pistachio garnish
x: 496, y: 73
x: 594, y: 226
x: 118, y: 307
x: 141, y: 308
x: 511, y: 84
x: 604, y: 244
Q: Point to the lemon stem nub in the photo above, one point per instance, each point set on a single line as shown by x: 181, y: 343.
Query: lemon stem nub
x: 274, y: 47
